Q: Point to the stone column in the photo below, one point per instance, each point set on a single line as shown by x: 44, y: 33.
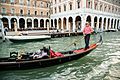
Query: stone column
x: 83, y: 3
x: 38, y: 23
x: 83, y: 22
x: 25, y: 23
x: 57, y: 24
x: 18, y: 24
x: 97, y: 23
x: 106, y: 24
x: 113, y: 23
x: 9, y: 23
x: 102, y: 24
x: 74, y: 27
x: 44, y: 23
x: 67, y: 24
x: 62, y: 23
x: 93, y: 4
x: 92, y: 22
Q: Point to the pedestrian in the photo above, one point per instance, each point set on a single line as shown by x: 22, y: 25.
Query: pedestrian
x: 86, y: 32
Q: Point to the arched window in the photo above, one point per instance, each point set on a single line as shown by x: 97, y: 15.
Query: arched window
x: 59, y: 9
x: 21, y: 12
x: 78, y: 3
x: 64, y: 7
x: 35, y: 12
x: 70, y: 6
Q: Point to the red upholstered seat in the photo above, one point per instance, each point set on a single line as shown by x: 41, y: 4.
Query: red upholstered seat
x: 55, y: 54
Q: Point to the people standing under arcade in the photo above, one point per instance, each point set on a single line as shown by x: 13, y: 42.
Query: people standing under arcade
x: 86, y: 32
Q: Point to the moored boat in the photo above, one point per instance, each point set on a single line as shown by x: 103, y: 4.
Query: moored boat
x: 26, y: 38
x: 27, y: 61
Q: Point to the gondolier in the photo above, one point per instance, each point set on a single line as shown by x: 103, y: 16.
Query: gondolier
x: 86, y: 32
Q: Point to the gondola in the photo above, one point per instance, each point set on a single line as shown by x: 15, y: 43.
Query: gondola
x: 13, y: 63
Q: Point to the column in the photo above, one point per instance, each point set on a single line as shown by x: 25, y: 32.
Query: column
x: 53, y: 23
x: 62, y: 24
x: 74, y: 27
x: 57, y: 24
x: 106, y: 24
x: 38, y: 23
x: 25, y: 23
x: 44, y: 23
x: 18, y: 24
x: 32, y: 23
x: 83, y: 22
x: 116, y: 25
x: 102, y: 24
x: 83, y: 3
x: 97, y: 24
x: 93, y: 4
x: 67, y: 24
x: 9, y: 23
x: 92, y: 22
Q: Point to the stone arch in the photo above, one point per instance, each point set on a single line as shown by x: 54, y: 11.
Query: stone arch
x: 51, y: 22
x: 36, y: 23
x: 59, y: 23
x: 21, y: 23
x: 47, y: 23
x: 29, y: 23
x: 114, y: 24
x: 95, y: 22
x: 108, y: 23
x: 78, y: 22
x: 88, y: 19
x: 5, y: 22
x: 70, y: 21
x: 64, y: 23
x: 55, y: 22
x: 104, y: 24
x: 12, y: 23
x: 42, y: 23
x: 100, y: 22
x: 118, y: 26
x: 111, y: 24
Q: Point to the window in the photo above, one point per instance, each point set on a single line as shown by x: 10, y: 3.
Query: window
x: 59, y: 9
x: 21, y: 12
x: 100, y: 7
x: 41, y: 4
x: 64, y: 7
x: 47, y: 5
x: 55, y: 10
x: 3, y: 10
x: 78, y: 4
x: 35, y: 4
x: 47, y: 14
x: 70, y: 6
x: 35, y: 12
x: 28, y: 12
x: 41, y: 13
x: 12, y: 10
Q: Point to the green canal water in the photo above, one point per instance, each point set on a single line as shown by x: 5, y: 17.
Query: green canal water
x: 101, y: 64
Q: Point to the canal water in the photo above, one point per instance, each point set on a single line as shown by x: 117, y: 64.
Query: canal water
x: 101, y: 64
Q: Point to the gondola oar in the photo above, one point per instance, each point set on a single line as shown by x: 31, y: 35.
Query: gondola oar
x: 73, y: 43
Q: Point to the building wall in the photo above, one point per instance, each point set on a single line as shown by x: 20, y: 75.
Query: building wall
x: 38, y: 9
x: 101, y: 14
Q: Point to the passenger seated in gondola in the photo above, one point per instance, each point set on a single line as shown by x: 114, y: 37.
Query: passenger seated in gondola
x: 42, y: 53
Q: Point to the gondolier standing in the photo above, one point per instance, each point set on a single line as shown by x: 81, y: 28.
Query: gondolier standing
x: 86, y: 32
